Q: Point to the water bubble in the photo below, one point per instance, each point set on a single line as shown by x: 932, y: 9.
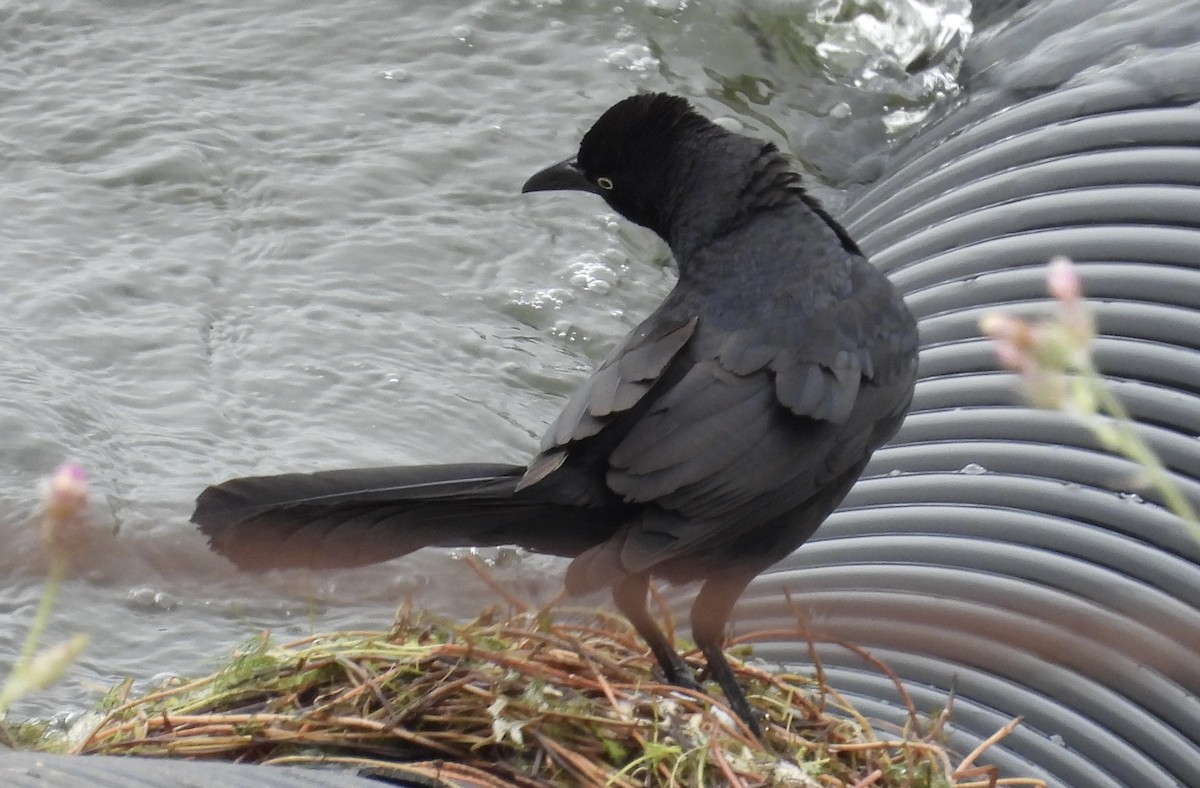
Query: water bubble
x: 632, y: 57
x: 1056, y: 738
x: 973, y: 469
x: 148, y: 598
x: 591, y: 285
x: 895, y: 472
x: 839, y: 111
x: 565, y: 329
x: 539, y: 299
x: 593, y: 273
x: 627, y: 33
x: 1131, y: 497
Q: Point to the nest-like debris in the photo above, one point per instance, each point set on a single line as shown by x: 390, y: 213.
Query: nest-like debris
x: 520, y: 700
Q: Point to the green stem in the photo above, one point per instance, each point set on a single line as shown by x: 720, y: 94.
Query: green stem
x: 1134, y: 448
x: 41, y: 618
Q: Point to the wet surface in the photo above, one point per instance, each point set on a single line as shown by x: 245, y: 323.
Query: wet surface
x: 250, y: 241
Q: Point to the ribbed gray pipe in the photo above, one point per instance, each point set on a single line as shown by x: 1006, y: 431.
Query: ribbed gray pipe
x: 998, y: 552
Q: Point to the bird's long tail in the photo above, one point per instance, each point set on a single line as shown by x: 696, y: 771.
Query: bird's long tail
x: 363, y: 516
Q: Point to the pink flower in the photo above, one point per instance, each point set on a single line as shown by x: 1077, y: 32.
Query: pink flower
x: 64, y: 517
x: 1064, y: 282
x: 1015, y: 341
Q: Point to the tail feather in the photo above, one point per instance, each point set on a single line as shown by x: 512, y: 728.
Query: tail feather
x: 363, y: 516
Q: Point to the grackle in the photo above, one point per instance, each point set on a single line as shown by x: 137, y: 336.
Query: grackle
x: 711, y: 442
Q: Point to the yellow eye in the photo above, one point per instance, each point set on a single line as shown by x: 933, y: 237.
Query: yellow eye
x: 604, y: 183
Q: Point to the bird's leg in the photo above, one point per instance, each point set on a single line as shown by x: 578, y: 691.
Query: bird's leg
x: 629, y: 594
x: 710, y: 614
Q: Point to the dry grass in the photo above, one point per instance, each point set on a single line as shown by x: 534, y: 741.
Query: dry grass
x: 518, y: 700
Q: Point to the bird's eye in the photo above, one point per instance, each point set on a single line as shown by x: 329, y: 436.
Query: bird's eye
x: 604, y: 183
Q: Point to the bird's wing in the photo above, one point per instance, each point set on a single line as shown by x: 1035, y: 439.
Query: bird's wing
x: 618, y: 385
x: 742, y: 425
x: 722, y: 452
x: 740, y: 445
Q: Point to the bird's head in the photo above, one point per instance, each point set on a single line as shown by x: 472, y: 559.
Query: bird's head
x: 630, y: 157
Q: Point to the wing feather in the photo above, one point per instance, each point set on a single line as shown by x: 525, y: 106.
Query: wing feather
x: 717, y: 430
x: 622, y: 379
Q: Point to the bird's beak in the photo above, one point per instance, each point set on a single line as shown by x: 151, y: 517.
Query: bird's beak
x: 560, y: 177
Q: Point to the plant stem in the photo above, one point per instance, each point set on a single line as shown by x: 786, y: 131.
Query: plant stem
x: 1133, y: 447
x: 13, y: 685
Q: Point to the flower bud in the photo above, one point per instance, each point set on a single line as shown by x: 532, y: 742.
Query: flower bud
x: 1064, y: 281
x: 1014, y: 339
x: 64, y: 516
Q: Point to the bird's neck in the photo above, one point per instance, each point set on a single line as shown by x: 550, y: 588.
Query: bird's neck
x: 713, y: 195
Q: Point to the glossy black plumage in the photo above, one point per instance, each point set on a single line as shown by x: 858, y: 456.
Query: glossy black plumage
x: 713, y: 440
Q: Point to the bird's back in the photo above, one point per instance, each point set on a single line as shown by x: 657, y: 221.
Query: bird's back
x: 738, y: 414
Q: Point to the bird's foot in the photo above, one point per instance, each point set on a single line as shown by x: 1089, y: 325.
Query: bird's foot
x: 735, y: 696
x: 678, y: 673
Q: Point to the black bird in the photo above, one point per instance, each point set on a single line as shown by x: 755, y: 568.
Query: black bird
x: 709, y: 444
